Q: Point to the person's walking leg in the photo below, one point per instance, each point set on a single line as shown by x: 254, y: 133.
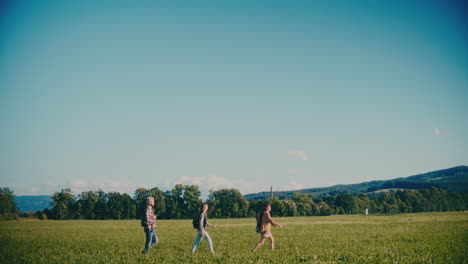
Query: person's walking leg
x: 210, y: 242
x: 154, y: 238
x: 196, y: 243
x: 148, y: 241
x: 259, y: 244
x: 272, y: 242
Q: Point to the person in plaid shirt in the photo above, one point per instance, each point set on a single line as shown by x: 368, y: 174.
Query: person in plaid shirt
x: 150, y: 226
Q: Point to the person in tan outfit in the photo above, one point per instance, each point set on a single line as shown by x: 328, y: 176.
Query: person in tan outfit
x: 265, y: 228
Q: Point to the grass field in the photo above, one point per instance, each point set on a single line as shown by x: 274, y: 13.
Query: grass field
x: 406, y: 238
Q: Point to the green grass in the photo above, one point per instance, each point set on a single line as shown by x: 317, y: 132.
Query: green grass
x: 406, y: 238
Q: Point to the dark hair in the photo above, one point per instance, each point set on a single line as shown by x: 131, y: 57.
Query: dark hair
x: 201, y: 207
x: 265, y: 206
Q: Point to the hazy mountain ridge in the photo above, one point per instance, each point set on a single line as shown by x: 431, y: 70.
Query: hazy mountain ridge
x: 453, y: 180
x: 33, y: 203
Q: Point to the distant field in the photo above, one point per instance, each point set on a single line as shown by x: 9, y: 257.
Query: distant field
x: 406, y: 238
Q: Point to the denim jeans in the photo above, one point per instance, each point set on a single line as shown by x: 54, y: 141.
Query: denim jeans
x: 151, y: 239
x: 198, y: 241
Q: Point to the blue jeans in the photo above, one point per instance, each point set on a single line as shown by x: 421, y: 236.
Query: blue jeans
x: 198, y: 240
x: 151, y: 239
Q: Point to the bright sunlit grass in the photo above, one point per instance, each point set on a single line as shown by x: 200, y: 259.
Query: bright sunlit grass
x: 406, y: 238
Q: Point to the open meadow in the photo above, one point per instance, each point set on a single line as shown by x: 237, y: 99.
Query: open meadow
x: 405, y: 238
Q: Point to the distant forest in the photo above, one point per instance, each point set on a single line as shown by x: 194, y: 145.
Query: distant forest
x: 183, y: 202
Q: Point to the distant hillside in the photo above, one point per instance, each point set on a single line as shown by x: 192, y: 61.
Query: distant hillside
x: 453, y: 180
x: 33, y: 203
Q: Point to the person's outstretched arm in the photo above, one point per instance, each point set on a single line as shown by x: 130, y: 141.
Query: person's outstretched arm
x: 209, y: 225
x: 270, y: 220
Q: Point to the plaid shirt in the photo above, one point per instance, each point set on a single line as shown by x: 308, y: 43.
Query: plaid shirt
x: 150, y: 218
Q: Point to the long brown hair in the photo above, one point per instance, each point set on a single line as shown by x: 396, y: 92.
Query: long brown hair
x: 201, y: 207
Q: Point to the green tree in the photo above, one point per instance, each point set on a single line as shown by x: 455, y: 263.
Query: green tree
x: 291, y: 207
x: 192, y: 201
x: 128, y: 207
x: 347, y: 202
x: 8, y: 209
x: 101, y: 210
x: 120, y: 206
x: 159, y: 201
x: 325, y: 209
x: 86, y: 204
x: 227, y: 203
x: 172, y: 210
x: 255, y: 207
x: 277, y: 207
x: 62, y: 205
x: 304, y: 203
x: 139, y: 197
x: 115, y: 206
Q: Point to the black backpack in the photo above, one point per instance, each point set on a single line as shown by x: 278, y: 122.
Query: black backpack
x: 143, y: 217
x: 196, y: 221
x: 259, y: 222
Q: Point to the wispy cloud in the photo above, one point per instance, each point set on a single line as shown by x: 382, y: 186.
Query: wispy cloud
x: 33, y: 188
x: 297, y: 153
x: 205, y: 183
x: 215, y: 182
x: 80, y: 185
x: 438, y: 132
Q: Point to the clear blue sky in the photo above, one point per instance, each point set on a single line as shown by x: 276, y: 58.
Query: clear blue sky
x: 294, y: 94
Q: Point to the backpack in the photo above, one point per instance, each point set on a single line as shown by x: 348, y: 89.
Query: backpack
x: 143, y: 218
x: 196, y: 221
x: 259, y: 222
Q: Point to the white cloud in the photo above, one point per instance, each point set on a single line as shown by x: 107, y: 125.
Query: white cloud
x: 297, y: 153
x: 189, y: 180
x: 438, y: 132
x: 79, y: 185
x: 215, y: 182
x: 206, y: 183
x: 32, y: 188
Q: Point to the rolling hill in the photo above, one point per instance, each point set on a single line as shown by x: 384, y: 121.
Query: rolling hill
x: 31, y: 203
x: 453, y: 180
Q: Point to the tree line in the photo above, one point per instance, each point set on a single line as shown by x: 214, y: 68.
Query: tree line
x: 183, y: 202
x: 8, y: 209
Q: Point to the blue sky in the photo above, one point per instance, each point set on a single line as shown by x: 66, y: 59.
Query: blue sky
x: 291, y: 94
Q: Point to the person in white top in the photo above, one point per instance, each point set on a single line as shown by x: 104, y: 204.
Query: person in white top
x: 201, y: 223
